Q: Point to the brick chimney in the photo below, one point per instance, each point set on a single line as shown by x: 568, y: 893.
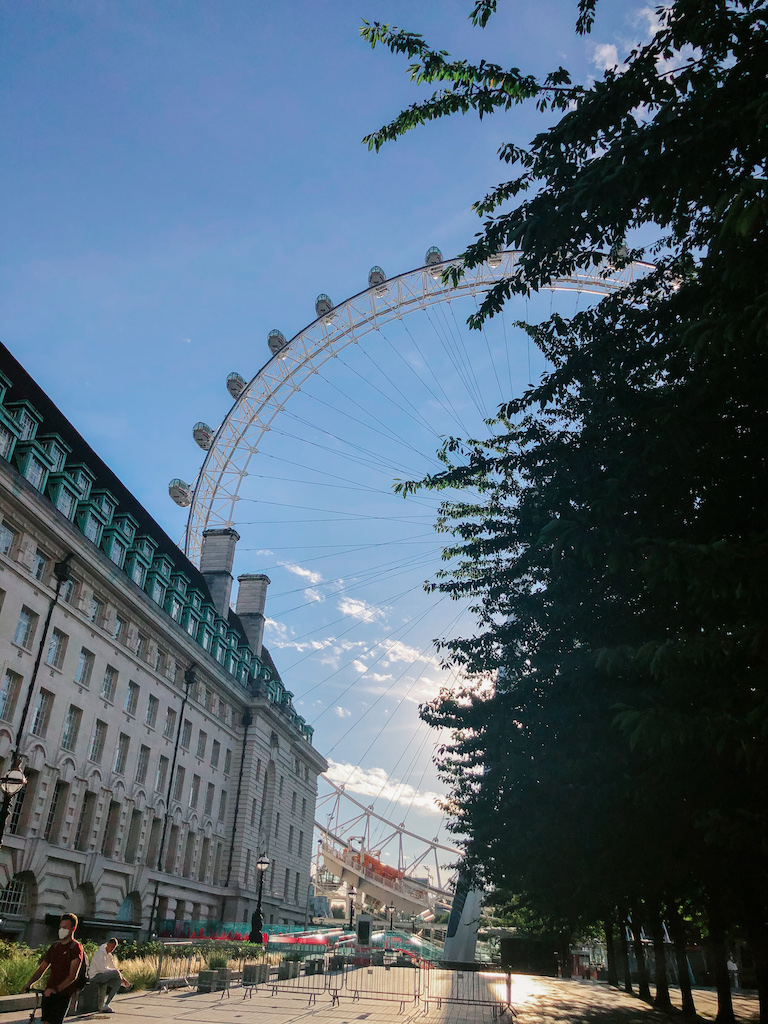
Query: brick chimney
x: 251, y: 602
x: 216, y: 560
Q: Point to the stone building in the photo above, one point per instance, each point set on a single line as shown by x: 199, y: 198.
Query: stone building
x: 155, y: 724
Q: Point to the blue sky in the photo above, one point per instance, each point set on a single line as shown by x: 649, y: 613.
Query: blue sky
x: 178, y: 179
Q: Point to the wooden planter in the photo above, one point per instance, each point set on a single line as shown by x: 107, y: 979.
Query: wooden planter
x: 207, y: 980
x: 288, y: 969
x: 255, y: 974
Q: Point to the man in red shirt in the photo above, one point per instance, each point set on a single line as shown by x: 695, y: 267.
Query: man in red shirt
x: 64, y: 959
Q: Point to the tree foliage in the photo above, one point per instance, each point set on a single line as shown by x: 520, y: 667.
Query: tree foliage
x: 617, y: 558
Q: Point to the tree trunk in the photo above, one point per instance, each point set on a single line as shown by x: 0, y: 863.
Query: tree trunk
x: 719, y: 956
x: 610, y: 953
x: 624, y: 956
x: 643, y: 988
x: 678, y: 937
x: 566, y: 961
x: 661, y: 1000
x: 757, y: 935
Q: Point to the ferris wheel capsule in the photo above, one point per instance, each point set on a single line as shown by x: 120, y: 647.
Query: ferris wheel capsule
x: 203, y: 435
x: 235, y: 384
x: 276, y: 341
x: 180, y: 492
x: 432, y: 260
x: 377, y: 279
x: 323, y: 304
x: 495, y: 260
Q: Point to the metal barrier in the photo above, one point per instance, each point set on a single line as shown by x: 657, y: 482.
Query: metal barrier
x: 305, y: 979
x: 468, y: 987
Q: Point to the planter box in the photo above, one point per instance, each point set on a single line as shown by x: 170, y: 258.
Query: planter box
x: 288, y: 969
x: 223, y: 978
x: 337, y: 963
x: 314, y: 966
x: 206, y: 981
x: 255, y: 974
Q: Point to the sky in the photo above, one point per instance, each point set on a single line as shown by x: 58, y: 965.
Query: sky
x: 178, y: 178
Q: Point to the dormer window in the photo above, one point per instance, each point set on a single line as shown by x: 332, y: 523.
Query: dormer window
x: 27, y: 425
x: 7, y: 439
x: 176, y: 609
x: 137, y: 574
x: 35, y: 472
x: 117, y: 551
x: 65, y: 502
x: 92, y: 528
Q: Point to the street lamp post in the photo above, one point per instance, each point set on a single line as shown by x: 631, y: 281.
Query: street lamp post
x: 257, y: 920
x: 391, y: 909
x: 352, y: 894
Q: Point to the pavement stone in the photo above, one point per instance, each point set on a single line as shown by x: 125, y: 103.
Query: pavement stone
x: 535, y: 1001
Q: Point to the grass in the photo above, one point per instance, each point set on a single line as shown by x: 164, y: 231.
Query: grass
x: 141, y: 972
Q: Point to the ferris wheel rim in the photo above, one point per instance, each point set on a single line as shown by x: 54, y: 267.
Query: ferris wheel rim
x: 217, y: 472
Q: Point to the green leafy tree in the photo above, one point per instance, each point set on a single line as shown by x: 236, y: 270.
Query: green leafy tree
x: 617, y: 557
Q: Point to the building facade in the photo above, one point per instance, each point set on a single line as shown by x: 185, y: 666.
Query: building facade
x: 162, y: 752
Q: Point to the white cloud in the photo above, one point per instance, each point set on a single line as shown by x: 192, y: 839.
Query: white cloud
x: 279, y: 630
x: 376, y: 782
x: 605, y: 56
x: 313, y: 595
x: 360, y: 609
x: 342, y: 712
x: 359, y: 666
x: 398, y: 651
x: 299, y: 570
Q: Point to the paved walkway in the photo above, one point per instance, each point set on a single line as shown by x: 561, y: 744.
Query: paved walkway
x: 536, y: 1001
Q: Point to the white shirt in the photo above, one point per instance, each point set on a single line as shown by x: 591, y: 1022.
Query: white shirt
x: 101, y: 961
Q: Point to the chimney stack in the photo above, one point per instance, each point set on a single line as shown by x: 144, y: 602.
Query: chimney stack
x: 251, y: 602
x: 216, y: 561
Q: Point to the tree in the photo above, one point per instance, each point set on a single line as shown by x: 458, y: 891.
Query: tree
x: 617, y: 559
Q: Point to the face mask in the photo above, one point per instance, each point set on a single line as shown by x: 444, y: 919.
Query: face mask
x: 63, y: 933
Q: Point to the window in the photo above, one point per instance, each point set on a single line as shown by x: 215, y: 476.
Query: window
x: 253, y: 811
x: 119, y: 629
x: 109, y: 684
x: 132, y: 697
x: 176, y: 607
x: 224, y: 711
x: 7, y: 538
x: 56, y: 811
x: 223, y: 805
x: 296, y: 888
x: 96, y: 610
x: 162, y: 773
x: 71, y: 728
x: 40, y: 566
x: 209, y: 798
x: 303, y: 807
x: 9, y: 694
x: 215, y: 752
x: 117, y: 552
x: 194, y: 792
x: 170, y: 724
x: 160, y: 660
x: 191, y: 626
x: 6, y: 441
x: 158, y: 592
x: 206, y: 640
x: 26, y: 425
x: 280, y: 788
x: 300, y: 850
x: 293, y: 802
x: 121, y: 755
x: 57, y: 649
x: 290, y: 839
x: 84, y: 667
x: 65, y: 502
x: 67, y: 591
x: 25, y: 628
x: 142, y: 646
x: 35, y: 472
x: 98, y: 741
x: 42, y: 713
x: 227, y: 762
x: 152, y: 705
x: 287, y: 883
x: 142, y: 764
x: 277, y: 823
x: 137, y: 574
x: 92, y: 528
x: 202, y: 739
x: 85, y: 822
x: 186, y: 734
x: 178, y: 783
x: 207, y: 699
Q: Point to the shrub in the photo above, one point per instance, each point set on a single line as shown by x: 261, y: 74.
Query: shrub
x: 15, y: 970
x: 141, y: 971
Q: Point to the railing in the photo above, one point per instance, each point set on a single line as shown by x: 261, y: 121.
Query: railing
x: 354, y: 861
